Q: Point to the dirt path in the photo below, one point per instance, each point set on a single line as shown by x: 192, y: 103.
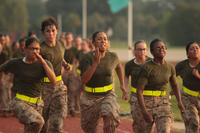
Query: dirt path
x: 71, y: 125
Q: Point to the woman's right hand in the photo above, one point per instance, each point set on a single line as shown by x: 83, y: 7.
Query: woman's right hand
x: 147, y: 117
x: 97, y: 56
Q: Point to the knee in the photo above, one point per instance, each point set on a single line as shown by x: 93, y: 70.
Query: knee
x: 40, y: 122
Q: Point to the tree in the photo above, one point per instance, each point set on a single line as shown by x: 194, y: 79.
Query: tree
x: 37, y: 12
x: 14, y: 16
x: 182, y: 25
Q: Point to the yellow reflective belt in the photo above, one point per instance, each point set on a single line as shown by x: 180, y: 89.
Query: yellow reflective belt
x: 77, y: 70
x: 58, y: 78
x: 28, y: 99
x: 150, y: 93
x: 190, y: 92
x: 99, y: 89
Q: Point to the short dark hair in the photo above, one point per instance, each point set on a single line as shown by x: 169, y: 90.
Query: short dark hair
x: 188, y: 45
x: 136, y: 43
x: 31, y: 40
x: 94, y: 35
x: 30, y: 33
x: 153, y: 42
x: 47, y: 22
x: 22, y: 40
x: 2, y: 34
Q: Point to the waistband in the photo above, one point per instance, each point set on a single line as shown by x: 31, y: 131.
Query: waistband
x: 190, y: 92
x: 99, y: 89
x: 150, y: 92
x: 28, y: 99
x: 77, y: 70
x: 58, y: 78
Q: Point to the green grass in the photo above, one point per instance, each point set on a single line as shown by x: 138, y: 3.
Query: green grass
x: 125, y: 106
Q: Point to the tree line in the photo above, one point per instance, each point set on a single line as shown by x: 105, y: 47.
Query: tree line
x: 175, y: 21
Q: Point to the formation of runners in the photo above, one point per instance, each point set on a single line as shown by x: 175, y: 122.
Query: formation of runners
x: 43, y: 81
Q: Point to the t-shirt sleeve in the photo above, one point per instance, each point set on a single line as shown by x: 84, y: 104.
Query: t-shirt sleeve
x: 127, y: 69
x: 49, y: 64
x: 173, y: 74
x: 85, y: 63
x: 143, y: 76
x: 116, y: 59
x: 178, y: 69
x: 8, y: 66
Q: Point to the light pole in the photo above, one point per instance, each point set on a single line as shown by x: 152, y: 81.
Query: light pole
x: 130, y: 27
x: 84, y: 19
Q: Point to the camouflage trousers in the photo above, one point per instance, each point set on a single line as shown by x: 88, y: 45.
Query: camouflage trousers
x: 191, y: 116
x: 158, y: 107
x: 29, y: 114
x: 74, y: 89
x: 93, y: 107
x: 5, y: 93
x: 55, y: 107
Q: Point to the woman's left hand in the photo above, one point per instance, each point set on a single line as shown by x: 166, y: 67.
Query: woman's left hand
x: 124, y: 93
x: 195, y: 72
x: 181, y: 107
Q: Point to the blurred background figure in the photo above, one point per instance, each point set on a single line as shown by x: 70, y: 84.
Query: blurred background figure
x: 32, y: 34
x: 20, y: 51
x: 85, y: 46
x: 63, y: 37
x: 69, y: 40
x: 78, y: 42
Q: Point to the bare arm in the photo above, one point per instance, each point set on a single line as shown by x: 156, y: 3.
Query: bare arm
x: 147, y: 116
x: 176, y: 92
x: 126, y: 81
x: 121, y: 80
x: 66, y: 66
x: 50, y: 74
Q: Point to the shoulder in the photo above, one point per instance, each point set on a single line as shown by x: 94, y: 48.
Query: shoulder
x: 182, y: 63
x: 148, y: 65
x: 60, y: 42
x: 87, y: 56
x: 129, y: 63
x: 14, y: 61
x: 113, y: 55
x: 148, y: 58
x: 43, y: 45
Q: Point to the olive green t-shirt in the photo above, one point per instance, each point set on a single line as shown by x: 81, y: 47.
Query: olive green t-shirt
x: 18, y: 54
x: 70, y: 55
x: 103, y: 74
x: 132, y: 69
x: 4, y: 55
x: 155, y: 76
x: 184, y: 70
x: 54, y: 54
x: 28, y: 77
